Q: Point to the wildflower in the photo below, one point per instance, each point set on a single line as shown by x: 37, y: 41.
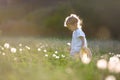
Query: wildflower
x: 3, y: 54
x: 20, y: 44
x: 111, y: 53
x: 39, y: 49
x: 27, y: 47
x: 68, y: 44
x: 110, y: 77
x: 6, y: 45
x: 57, y: 57
x: 2, y: 47
x: 54, y: 55
x: 102, y: 64
x: 114, y: 59
x: 20, y: 49
x: 46, y: 55
x: 56, y: 52
x: 45, y: 50
x: 118, y: 55
x: 13, y: 50
x: 62, y: 56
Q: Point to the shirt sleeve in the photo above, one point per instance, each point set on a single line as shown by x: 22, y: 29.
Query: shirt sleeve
x: 80, y: 33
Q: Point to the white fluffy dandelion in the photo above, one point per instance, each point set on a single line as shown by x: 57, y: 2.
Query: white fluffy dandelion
x: 118, y: 55
x: 57, y: 57
x: 63, y: 56
x: 7, y: 45
x: 20, y: 45
x: 110, y: 77
x: 53, y: 55
x: 20, y: 49
x: 2, y: 47
x: 3, y: 54
x: 111, y: 53
x: 45, y: 50
x: 68, y: 44
x: 56, y: 52
x: 27, y: 47
x: 114, y: 64
x: 102, y: 64
x: 13, y: 50
x: 39, y: 49
x: 46, y: 55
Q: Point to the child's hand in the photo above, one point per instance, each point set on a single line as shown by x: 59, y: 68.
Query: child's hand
x: 84, y: 48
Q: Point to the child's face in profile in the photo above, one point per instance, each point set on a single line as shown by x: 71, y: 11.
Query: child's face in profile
x: 72, y: 27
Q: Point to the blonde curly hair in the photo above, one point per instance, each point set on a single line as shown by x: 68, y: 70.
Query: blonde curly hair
x: 73, y: 18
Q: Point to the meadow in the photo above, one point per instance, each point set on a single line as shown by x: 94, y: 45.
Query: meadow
x: 31, y: 58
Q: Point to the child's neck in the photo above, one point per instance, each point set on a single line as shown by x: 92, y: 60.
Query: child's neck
x: 79, y: 26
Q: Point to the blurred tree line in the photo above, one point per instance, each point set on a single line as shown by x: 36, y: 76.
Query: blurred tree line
x: 46, y: 17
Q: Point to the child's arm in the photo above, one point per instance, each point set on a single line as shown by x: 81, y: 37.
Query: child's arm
x: 83, y: 42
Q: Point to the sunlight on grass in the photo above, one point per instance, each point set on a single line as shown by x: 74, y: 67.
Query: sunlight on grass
x: 48, y: 59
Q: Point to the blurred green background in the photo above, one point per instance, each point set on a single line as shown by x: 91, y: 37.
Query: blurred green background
x: 101, y: 18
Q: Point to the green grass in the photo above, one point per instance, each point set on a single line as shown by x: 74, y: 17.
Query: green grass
x: 34, y: 65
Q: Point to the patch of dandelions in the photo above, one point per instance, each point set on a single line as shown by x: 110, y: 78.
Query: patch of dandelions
x: 113, y: 64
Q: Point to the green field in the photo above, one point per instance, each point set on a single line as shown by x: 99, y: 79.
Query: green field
x: 48, y: 59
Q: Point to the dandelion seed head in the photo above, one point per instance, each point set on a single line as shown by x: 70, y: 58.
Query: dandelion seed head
x: 117, y: 69
x: 27, y: 47
x: 3, y: 54
x: 20, y: 49
x: 102, y: 64
x: 57, y: 57
x: 45, y: 50
x: 2, y: 47
x: 20, y: 45
x: 114, y: 64
x: 7, y: 45
x: 13, y: 50
x: 118, y: 55
x: 54, y: 55
x: 56, y: 52
x: 114, y: 59
x: 63, y: 56
x: 110, y: 53
x: 110, y: 77
x: 46, y: 55
x: 68, y: 44
x: 39, y: 49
